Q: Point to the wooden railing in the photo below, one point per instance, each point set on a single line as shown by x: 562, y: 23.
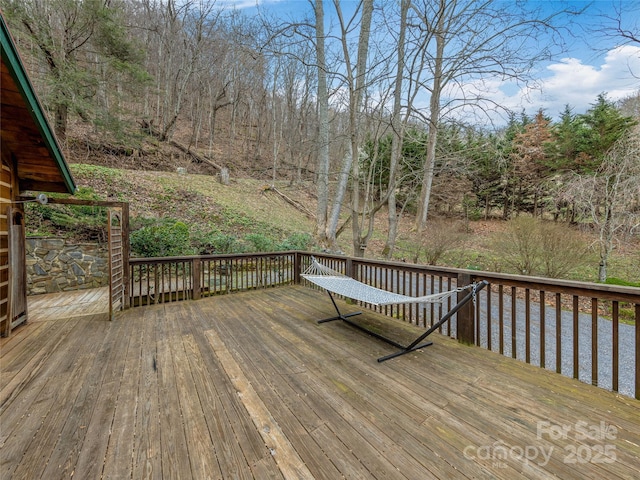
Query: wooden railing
x: 169, y: 279
x: 583, y: 330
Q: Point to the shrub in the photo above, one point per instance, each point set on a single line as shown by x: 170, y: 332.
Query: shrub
x: 533, y: 247
x: 439, y: 238
x: 210, y: 240
x: 518, y: 245
x: 259, y: 242
x: 563, y: 250
x: 296, y: 241
x: 170, y: 238
x: 221, y: 243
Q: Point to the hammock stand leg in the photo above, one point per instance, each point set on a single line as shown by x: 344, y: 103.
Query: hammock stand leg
x: 340, y: 316
x: 345, y: 319
x: 415, y: 344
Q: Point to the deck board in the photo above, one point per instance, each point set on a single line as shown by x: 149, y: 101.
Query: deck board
x: 76, y: 303
x: 248, y: 385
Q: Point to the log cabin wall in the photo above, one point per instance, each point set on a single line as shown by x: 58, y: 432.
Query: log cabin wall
x: 31, y: 161
x: 5, y: 206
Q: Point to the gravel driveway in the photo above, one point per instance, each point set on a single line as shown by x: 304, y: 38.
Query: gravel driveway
x: 626, y: 342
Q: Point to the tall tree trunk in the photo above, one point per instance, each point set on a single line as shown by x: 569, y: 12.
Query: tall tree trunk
x: 355, y: 85
x: 61, y: 118
x: 397, y: 135
x: 322, y: 181
x: 359, y: 242
x: 434, y: 119
x: 338, y: 198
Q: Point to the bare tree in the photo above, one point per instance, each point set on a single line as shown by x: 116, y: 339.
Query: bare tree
x: 630, y: 106
x: 354, y: 83
x: 184, y: 31
x: 357, y: 85
x: 397, y: 127
x: 620, y: 23
x: 610, y: 198
x: 459, y: 43
x: 322, y: 169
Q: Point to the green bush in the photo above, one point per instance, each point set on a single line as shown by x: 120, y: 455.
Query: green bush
x: 259, y: 242
x: 296, y: 241
x: 170, y: 238
x: 533, y: 247
x: 217, y: 242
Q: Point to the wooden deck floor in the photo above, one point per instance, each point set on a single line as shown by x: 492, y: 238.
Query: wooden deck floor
x: 78, y: 303
x: 250, y: 386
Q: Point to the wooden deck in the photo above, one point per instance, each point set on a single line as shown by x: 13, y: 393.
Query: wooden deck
x: 250, y: 386
x: 78, y: 303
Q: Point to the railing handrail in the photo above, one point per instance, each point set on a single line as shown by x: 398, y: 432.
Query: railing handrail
x: 572, y: 287
x: 184, y: 258
x: 622, y: 293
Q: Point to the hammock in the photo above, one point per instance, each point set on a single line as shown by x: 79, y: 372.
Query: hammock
x: 335, y: 282
x: 340, y: 284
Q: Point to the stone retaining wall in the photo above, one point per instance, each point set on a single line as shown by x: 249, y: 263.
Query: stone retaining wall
x: 54, y: 266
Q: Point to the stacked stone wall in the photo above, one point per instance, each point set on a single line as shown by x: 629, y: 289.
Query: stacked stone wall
x: 54, y: 266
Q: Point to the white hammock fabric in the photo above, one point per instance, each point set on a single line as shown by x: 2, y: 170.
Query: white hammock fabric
x: 340, y: 284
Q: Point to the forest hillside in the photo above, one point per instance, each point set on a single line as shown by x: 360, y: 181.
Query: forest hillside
x: 230, y: 132
x: 180, y: 213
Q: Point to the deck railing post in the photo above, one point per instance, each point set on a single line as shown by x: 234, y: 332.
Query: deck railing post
x: 297, y: 262
x: 465, y: 317
x: 348, y: 268
x: 195, y: 274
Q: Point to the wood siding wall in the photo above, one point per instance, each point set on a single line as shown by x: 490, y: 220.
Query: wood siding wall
x: 5, y: 204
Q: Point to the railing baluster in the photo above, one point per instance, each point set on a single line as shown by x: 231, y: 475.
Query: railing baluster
x: 501, y: 317
x: 477, y: 311
x: 576, y: 354
x: 432, y: 307
x: 543, y: 330
x: 406, y: 289
x: 513, y: 322
x: 527, y: 325
x: 477, y: 325
x: 558, y: 333
x: 594, y: 341
x: 489, y: 333
x: 614, y: 347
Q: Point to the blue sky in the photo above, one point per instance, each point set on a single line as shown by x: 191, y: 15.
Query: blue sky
x: 593, y: 64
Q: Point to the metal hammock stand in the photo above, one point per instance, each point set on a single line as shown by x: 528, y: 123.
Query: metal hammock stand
x: 335, y: 282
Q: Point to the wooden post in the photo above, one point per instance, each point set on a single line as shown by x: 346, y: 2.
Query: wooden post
x: 195, y: 277
x: 465, y: 316
x: 126, y: 253
x: 296, y: 267
x: 348, y: 269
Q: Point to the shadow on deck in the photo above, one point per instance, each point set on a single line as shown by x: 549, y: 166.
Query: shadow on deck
x: 250, y: 386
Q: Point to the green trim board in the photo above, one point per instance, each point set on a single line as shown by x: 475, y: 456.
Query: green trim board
x: 11, y: 59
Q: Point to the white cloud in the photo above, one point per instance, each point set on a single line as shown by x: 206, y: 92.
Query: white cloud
x: 577, y: 84
x: 567, y: 82
x: 241, y: 4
